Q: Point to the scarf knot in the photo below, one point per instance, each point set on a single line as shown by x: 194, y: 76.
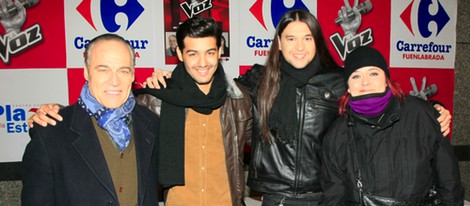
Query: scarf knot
x: 114, y: 121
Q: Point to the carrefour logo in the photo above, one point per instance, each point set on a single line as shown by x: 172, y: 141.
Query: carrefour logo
x: 15, y: 118
x: 277, y: 8
x: 429, y: 45
x: 425, y: 17
x: 109, y: 9
x: 275, y: 11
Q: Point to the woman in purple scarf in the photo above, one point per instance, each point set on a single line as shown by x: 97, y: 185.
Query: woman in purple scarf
x: 386, y: 148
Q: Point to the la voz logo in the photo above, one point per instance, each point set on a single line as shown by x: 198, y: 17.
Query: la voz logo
x: 108, y: 10
x: 14, y: 40
x: 440, y: 18
x: 11, y: 45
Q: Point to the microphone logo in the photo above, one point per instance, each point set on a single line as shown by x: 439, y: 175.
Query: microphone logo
x: 12, y: 18
x: 363, y: 8
x: 12, y: 8
x: 350, y: 19
x: 425, y: 92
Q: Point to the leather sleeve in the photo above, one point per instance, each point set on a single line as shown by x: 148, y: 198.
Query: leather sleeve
x: 148, y: 101
x: 250, y: 78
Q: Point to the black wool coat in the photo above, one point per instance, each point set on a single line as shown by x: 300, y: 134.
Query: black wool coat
x: 64, y: 164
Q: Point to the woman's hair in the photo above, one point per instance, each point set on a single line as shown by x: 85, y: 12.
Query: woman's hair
x: 270, y: 80
x: 392, y: 85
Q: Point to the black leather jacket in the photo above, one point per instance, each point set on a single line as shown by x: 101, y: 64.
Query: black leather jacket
x: 293, y: 169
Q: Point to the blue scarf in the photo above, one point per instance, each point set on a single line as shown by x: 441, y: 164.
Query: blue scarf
x: 111, y: 120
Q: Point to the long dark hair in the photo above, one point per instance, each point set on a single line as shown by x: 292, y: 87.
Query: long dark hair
x: 270, y: 80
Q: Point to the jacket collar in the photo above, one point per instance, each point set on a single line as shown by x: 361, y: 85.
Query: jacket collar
x: 88, y: 146
x: 232, y: 89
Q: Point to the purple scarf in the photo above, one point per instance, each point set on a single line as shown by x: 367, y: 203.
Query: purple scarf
x: 370, y: 104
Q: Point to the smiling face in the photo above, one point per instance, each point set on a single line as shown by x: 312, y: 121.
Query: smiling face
x: 367, y: 80
x: 110, y: 73
x: 200, y: 57
x: 297, y: 44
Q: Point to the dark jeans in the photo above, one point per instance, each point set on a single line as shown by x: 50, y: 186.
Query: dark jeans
x: 277, y: 200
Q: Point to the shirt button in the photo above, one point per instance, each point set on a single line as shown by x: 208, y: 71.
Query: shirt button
x: 204, y: 124
x: 202, y: 190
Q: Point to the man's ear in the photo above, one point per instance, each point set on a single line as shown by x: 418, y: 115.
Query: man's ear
x: 279, y: 42
x: 85, y: 73
x: 179, y: 53
x: 133, y: 74
x: 221, y: 49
